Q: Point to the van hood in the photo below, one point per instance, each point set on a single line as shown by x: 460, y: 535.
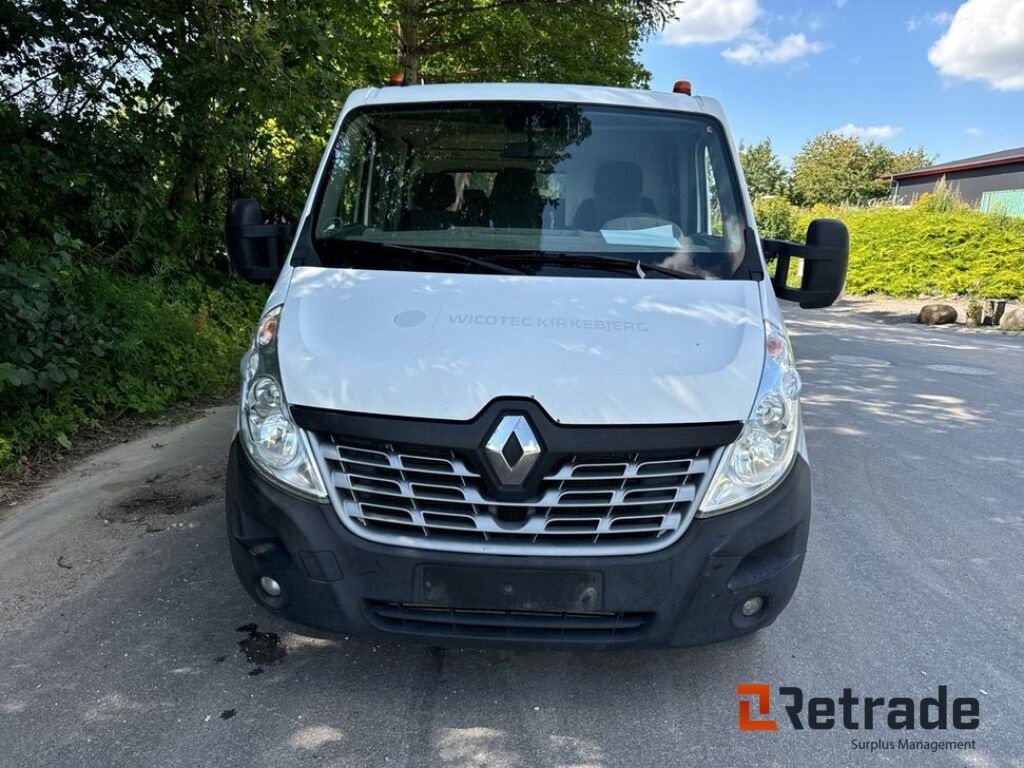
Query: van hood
x: 587, y: 350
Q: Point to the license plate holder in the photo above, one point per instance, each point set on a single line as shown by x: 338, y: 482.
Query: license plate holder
x: 510, y: 590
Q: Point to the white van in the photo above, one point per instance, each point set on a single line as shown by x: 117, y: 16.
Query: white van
x: 523, y: 378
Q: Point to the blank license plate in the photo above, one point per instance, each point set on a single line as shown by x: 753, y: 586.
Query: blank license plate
x: 555, y: 591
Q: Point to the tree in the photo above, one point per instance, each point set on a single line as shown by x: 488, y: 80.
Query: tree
x: 160, y: 111
x: 763, y: 170
x: 585, y: 41
x: 137, y: 120
x: 910, y: 160
x: 834, y: 169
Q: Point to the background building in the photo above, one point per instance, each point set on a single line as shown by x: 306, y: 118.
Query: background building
x: 990, y: 182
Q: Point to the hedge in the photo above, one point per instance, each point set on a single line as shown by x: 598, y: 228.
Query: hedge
x: 913, y: 252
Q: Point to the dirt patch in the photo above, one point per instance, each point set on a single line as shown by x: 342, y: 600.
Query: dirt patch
x: 263, y: 648
x: 153, y: 503
x: 19, y: 484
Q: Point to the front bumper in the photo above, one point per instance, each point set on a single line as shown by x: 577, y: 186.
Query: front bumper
x: 686, y: 594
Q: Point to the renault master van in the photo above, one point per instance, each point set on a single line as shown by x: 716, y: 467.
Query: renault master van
x: 522, y: 377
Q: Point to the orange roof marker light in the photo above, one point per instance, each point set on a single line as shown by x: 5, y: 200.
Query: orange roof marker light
x: 683, y: 86
x: 396, y: 78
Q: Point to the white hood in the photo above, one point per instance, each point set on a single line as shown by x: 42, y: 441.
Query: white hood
x: 588, y: 350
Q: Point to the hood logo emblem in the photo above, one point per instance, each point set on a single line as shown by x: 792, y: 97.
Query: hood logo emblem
x: 512, y: 449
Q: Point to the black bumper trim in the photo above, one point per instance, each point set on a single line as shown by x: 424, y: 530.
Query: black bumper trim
x: 557, y: 438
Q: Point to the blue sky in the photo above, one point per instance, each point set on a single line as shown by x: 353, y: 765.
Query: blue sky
x: 946, y: 75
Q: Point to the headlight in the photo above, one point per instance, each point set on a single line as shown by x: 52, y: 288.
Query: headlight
x: 766, y: 448
x: 277, y: 447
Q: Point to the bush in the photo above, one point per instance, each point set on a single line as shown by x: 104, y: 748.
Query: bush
x: 776, y: 218
x: 923, y: 251
x: 945, y: 198
x: 83, y: 342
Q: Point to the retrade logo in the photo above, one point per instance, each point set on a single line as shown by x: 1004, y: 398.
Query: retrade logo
x: 760, y: 695
x: 851, y: 712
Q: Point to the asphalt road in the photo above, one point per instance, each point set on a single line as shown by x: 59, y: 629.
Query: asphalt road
x: 119, y: 610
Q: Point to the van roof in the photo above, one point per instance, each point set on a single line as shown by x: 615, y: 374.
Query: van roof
x: 578, y: 94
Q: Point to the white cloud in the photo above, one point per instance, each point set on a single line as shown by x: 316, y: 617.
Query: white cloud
x: 872, y: 132
x: 840, y: 3
x: 973, y: 133
x: 984, y: 42
x: 760, y: 49
x: 940, y: 19
x: 710, y: 21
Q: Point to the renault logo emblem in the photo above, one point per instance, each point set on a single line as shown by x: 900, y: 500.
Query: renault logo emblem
x: 513, y: 449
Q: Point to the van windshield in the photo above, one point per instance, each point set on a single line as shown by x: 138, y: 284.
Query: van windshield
x: 538, y: 185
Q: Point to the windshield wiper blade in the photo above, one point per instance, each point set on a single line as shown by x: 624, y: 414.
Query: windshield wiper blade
x: 453, y: 256
x: 639, y: 268
x: 669, y: 271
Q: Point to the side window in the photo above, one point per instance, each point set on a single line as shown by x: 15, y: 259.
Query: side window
x: 712, y: 214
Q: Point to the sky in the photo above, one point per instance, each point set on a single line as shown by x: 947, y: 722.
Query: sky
x: 945, y: 75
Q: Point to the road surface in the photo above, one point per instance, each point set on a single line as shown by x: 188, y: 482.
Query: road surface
x: 119, y: 611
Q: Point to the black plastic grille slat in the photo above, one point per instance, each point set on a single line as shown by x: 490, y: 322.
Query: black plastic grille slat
x: 433, y: 620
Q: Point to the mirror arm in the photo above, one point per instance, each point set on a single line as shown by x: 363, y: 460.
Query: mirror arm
x: 283, y: 231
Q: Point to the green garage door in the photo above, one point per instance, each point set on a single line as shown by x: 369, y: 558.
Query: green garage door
x: 1006, y: 201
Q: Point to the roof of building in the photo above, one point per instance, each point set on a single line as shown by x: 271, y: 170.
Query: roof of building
x: 968, y: 163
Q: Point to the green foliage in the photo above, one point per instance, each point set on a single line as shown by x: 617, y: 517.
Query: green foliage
x: 763, y: 170
x: 973, y: 311
x: 776, y: 218
x: 836, y: 170
x: 943, y: 199
x: 134, y: 124
x: 917, y: 251
x: 576, y: 41
x: 83, y: 342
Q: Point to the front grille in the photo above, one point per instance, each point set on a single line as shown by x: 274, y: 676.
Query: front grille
x: 601, y: 503
x: 411, y: 618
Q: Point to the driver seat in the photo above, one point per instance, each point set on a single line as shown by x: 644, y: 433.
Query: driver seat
x: 618, y: 192
x: 430, y: 199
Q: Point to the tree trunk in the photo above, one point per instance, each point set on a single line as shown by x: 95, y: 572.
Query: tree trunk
x: 183, y: 194
x: 408, y: 40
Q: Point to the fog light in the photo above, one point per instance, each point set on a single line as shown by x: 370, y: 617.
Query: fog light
x: 752, y: 606
x: 273, y: 589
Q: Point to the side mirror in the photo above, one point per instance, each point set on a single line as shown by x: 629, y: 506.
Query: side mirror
x: 826, y: 257
x: 257, y: 251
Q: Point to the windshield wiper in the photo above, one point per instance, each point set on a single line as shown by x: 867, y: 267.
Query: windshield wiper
x: 453, y: 256
x: 639, y: 268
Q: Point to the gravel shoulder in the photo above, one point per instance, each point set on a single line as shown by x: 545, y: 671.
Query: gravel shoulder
x: 79, y: 524
x: 895, y: 311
